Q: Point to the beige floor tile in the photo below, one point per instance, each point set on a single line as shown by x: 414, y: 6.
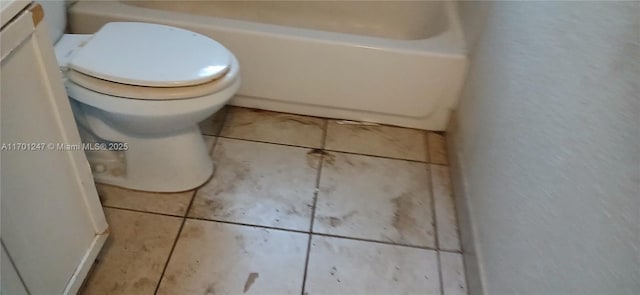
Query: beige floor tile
x: 453, y: 279
x: 217, y: 258
x: 375, y: 198
x: 259, y: 183
x: 341, y: 266
x: 436, y: 147
x: 446, y: 221
x: 213, y: 124
x: 384, y: 141
x: 274, y: 127
x: 133, y: 257
x: 165, y: 203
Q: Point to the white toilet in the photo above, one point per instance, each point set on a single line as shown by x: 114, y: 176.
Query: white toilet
x: 139, y: 90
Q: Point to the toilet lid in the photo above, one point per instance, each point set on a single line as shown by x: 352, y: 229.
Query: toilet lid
x: 154, y: 55
x: 127, y: 91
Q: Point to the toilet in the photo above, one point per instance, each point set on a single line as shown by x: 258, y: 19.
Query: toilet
x: 137, y: 92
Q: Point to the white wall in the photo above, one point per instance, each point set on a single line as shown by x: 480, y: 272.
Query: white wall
x: 548, y: 147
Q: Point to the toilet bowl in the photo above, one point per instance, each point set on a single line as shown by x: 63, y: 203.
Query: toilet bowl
x: 138, y: 91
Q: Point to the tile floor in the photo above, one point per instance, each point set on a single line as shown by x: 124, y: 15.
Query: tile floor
x: 296, y: 205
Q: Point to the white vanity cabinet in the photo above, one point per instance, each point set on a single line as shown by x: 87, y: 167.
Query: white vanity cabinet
x: 51, y: 223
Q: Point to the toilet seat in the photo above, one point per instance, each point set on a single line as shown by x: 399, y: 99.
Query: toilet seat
x: 155, y: 93
x: 150, y: 55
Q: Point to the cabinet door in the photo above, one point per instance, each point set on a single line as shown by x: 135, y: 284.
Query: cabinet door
x: 51, y: 221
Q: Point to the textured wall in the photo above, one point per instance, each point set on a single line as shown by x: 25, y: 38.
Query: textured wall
x: 548, y: 142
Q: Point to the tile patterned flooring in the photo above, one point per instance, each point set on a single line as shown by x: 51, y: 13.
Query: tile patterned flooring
x: 296, y: 205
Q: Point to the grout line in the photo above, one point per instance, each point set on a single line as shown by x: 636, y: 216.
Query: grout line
x: 175, y: 241
x: 450, y: 251
x: 377, y: 242
x: 313, y: 206
x: 427, y: 146
x: 440, y: 273
x: 249, y: 225
x: 457, y: 215
x: 441, y: 165
x: 306, y: 259
x: 294, y: 231
x: 184, y: 219
x: 267, y: 142
x: 328, y: 118
x: 324, y: 149
x: 455, y: 209
x: 276, y: 112
x: 434, y: 218
x: 376, y: 156
x: 142, y: 211
x: 435, y: 226
x: 323, y: 234
x: 206, y: 134
x: 324, y: 134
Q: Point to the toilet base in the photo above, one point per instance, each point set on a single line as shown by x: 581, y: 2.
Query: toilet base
x: 172, y: 163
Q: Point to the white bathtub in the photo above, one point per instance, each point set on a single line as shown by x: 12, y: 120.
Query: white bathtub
x: 391, y: 62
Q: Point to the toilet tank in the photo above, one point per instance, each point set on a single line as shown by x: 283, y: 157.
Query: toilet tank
x: 55, y: 14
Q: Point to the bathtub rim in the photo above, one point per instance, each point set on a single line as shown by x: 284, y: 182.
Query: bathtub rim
x: 448, y: 43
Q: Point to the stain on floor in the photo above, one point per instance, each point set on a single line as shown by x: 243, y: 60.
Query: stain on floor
x: 314, y: 155
x: 403, y: 206
x: 214, y: 205
x: 210, y: 290
x: 297, y: 119
x: 250, y: 280
x: 194, y: 232
x: 337, y: 221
